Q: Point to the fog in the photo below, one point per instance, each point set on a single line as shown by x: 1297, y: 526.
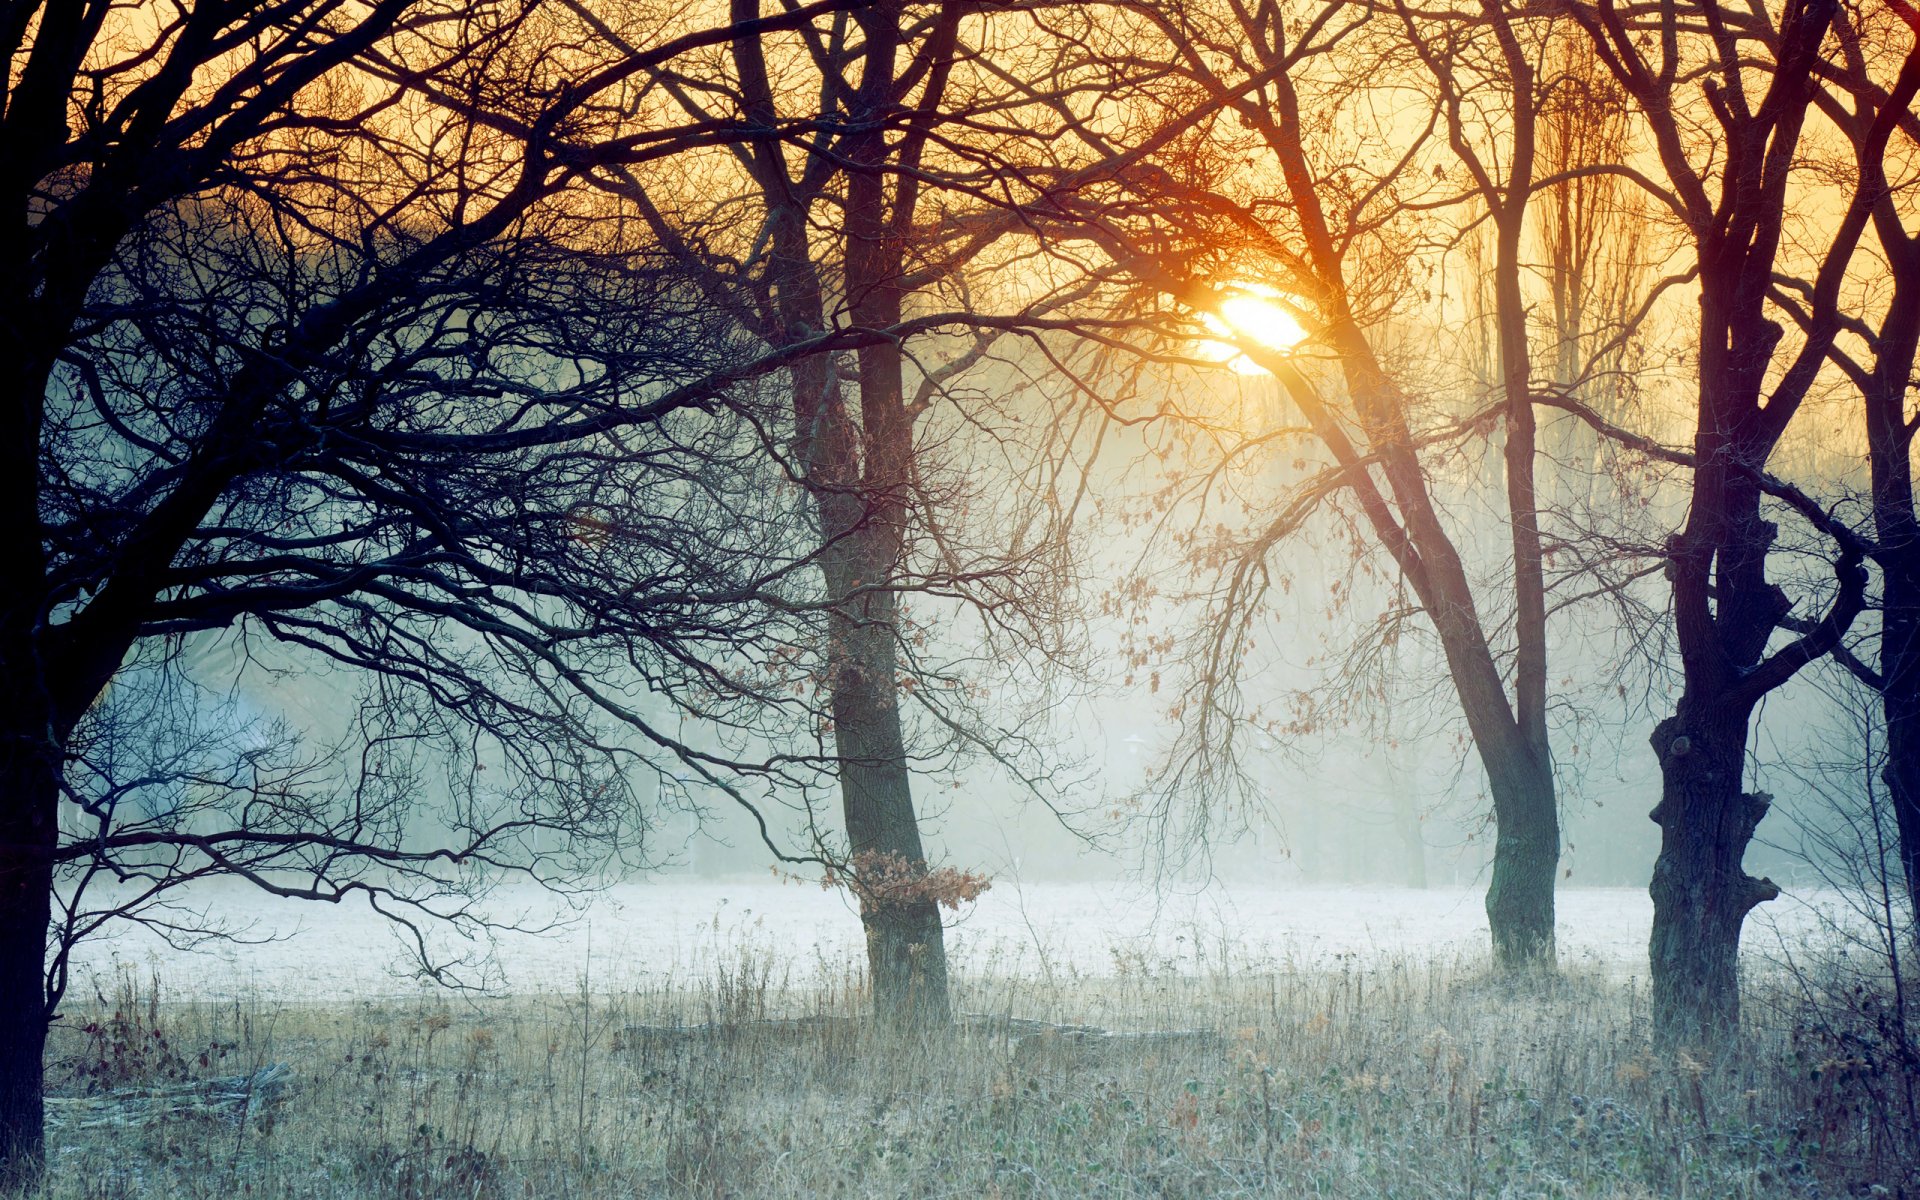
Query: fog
x: 909, y: 598
x: 683, y: 931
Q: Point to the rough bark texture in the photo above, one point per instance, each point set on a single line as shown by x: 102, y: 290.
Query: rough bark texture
x: 906, y: 956
x: 906, y: 953
x: 31, y: 733
x: 1890, y: 459
x: 30, y: 737
x: 1701, y: 893
x: 1526, y: 858
x: 27, y: 827
x: 1526, y: 855
x: 1726, y: 609
x: 1900, y: 701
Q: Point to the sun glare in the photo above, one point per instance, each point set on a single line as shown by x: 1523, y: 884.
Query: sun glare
x: 1251, y: 317
x: 1263, y: 321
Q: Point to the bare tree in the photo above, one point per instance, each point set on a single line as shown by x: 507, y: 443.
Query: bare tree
x: 308, y: 339
x: 1869, y: 97
x: 1728, y: 161
x: 1336, y: 246
x: 860, y: 189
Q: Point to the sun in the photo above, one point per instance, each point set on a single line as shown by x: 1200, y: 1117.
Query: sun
x: 1263, y: 321
x: 1251, y: 313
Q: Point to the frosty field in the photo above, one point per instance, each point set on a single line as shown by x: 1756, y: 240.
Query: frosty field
x: 642, y: 934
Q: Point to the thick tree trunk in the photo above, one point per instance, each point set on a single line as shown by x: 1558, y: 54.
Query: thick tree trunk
x: 1526, y: 854
x: 1526, y: 858
x: 28, y: 813
x: 1903, y: 776
x: 1900, y: 702
x: 906, y: 953
x: 1890, y: 459
x: 858, y: 467
x: 1701, y: 892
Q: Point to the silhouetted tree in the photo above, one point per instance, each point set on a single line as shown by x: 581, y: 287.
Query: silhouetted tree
x: 305, y: 337
x: 1730, y: 158
x: 1869, y: 96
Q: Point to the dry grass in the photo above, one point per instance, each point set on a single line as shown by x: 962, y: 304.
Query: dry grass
x: 1411, y: 1080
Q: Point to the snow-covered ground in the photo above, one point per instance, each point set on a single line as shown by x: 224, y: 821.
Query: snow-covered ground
x: 645, y: 934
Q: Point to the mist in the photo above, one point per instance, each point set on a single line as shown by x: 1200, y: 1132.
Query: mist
x: 896, y: 598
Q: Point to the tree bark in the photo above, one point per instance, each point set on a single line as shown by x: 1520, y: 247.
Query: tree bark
x: 906, y: 954
x: 1701, y: 893
x: 30, y: 746
x: 1725, y: 608
x: 1890, y: 443
x: 1901, y: 704
x: 856, y: 467
x: 1516, y: 754
x: 28, y: 825
x: 1526, y: 856
x: 1897, y: 525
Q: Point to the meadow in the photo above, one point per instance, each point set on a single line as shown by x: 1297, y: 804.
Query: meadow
x: 1382, y: 1076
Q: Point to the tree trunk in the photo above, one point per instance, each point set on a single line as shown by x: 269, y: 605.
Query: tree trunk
x: 1526, y: 857
x: 28, y: 812
x: 1526, y: 854
x: 857, y: 468
x: 1725, y: 609
x: 1902, y: 709
x: 906, y: 954
x: 1518, y: 761
x: 1900, y: 696
x: 1890, y: 459
x: 1701, y: 892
